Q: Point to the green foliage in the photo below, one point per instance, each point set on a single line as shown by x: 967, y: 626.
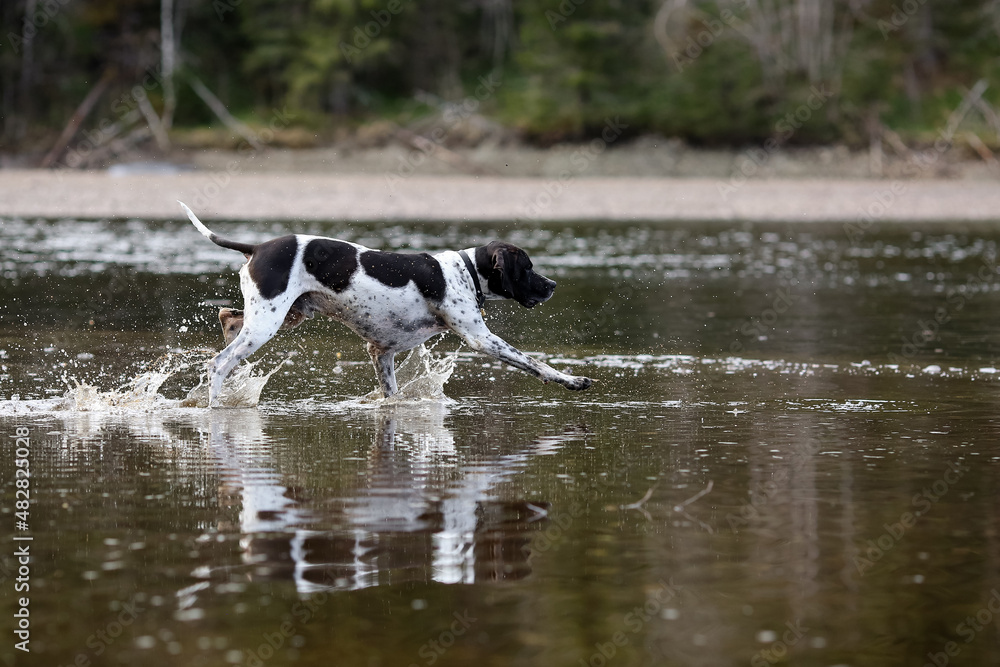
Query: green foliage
x: 567, y: 65
x: 576, y: 68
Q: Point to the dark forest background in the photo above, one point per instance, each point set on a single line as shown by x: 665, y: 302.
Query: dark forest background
x: 708, y: 72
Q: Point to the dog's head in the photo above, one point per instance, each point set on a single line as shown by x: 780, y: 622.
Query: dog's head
x: 510, y: 275
x: 232, y: 323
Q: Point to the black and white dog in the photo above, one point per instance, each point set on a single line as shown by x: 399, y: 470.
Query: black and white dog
x: 394, y: 301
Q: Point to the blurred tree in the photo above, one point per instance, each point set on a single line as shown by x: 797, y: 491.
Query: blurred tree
x: 724, y: 71
x: 579, y: 62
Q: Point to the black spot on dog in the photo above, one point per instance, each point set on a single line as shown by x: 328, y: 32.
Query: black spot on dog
x: 397, y: 269
x: 271, y: 265
x: 333, y: 263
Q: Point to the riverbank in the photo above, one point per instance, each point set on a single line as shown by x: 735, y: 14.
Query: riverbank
x: 316, y: 196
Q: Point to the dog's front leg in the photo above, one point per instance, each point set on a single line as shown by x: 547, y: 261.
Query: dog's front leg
x: 489, y: 343
x: 385, y: 368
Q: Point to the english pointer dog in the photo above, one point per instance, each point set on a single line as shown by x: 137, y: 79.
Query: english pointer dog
x: 394, y: 301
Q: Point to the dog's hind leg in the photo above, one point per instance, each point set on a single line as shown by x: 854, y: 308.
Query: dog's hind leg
x: 385, y: 367
x: 232, y: 320
x: 260, y: 323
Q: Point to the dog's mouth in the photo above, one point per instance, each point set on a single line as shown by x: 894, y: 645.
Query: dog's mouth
x: 534, y: 300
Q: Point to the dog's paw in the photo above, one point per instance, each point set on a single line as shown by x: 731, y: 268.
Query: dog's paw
x: 579, y: 383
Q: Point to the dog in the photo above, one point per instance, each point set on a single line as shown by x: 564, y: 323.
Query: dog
x: 394, y: 301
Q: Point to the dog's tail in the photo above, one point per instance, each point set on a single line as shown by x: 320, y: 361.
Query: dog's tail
x: 245, y: 248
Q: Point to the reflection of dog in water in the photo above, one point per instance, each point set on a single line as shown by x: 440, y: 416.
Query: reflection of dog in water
x: 394, y: 301
x: 424, y: 509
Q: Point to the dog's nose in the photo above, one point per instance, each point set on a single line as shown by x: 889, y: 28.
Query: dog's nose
x: 552, y: 283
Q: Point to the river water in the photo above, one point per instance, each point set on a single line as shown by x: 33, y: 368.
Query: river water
x: 789, y: 455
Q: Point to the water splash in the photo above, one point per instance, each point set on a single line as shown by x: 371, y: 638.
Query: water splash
x: 421, y: 377
x: 143, y: 392
x: 241, y: 389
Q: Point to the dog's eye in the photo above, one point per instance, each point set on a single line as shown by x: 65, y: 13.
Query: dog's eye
x: 310, y: 264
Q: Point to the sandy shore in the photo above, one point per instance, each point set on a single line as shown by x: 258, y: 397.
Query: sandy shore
x: 316, y: 196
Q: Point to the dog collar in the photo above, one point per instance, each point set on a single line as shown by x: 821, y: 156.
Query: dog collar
x: 480, y: 299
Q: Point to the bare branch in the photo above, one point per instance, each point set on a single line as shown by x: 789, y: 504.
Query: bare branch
x: 168, y: 52
x: 220, y: 110
x: 76, y: 120
x: 155, y: 125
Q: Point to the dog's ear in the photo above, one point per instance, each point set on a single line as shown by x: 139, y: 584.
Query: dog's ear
x: 505, y: 265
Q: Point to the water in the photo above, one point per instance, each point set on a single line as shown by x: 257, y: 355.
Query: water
x: 788, y: 456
